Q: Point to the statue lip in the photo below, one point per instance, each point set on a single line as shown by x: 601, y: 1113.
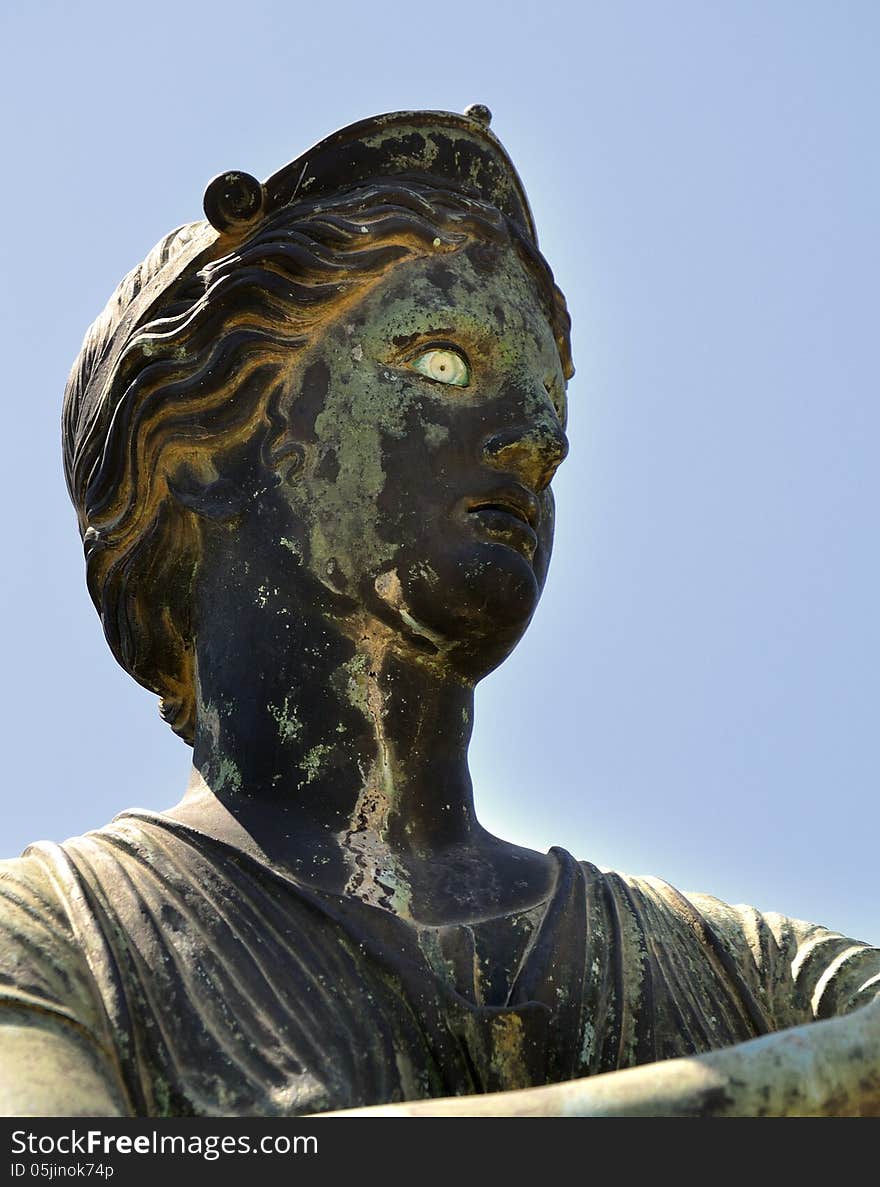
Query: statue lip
x: 511, y: 515
x: 515, y: 501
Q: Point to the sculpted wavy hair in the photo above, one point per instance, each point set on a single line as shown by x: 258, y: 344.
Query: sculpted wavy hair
x: 204, y: 376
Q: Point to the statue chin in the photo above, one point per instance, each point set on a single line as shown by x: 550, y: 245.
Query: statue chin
x: 472, y: 609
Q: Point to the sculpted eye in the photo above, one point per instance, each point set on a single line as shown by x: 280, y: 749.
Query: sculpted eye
x: 443, y: 366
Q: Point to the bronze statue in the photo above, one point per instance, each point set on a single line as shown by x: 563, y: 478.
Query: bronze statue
x: 310, y: 442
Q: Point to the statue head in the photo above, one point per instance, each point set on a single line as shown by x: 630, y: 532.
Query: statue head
x: 359, y: 364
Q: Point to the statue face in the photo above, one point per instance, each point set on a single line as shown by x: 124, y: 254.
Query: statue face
x: 432, y: 416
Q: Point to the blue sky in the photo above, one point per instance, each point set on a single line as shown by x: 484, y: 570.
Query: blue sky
x: 697, y: 696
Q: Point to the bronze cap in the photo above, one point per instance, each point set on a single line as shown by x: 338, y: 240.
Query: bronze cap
x: 454, y: 151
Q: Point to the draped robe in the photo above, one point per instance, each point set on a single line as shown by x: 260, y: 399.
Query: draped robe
x: 210, y: 983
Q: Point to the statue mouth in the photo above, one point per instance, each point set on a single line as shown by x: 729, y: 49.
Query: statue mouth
x: 509, y: 515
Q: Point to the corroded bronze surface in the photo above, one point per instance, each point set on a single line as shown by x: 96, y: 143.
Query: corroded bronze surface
x: 310, y: 443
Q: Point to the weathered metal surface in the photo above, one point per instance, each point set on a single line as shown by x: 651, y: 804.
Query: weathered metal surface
x: 829, y: 1070
x: 310, y: 443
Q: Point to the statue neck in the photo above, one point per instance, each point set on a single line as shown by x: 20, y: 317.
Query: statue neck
x: 324, y: 743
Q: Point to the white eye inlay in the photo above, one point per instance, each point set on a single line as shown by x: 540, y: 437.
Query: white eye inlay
x: 443, y: 366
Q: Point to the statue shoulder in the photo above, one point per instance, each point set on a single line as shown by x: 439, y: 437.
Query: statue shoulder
x: 55, y: 1042
x: 830, y: 972
x: 43, y: 963
x: 788, y: 970
x: 802, y: 970
x: 31, y: 904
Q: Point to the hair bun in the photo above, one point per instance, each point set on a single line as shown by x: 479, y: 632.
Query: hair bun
x: 233, y: 201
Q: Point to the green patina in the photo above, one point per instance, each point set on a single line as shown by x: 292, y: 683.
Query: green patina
x: 435, y: 435
x: 354, y: 672
x: 357, y: 441
x: 289, y: 724
x: 314, y: 760
x: 426, y: 572
x: 228, y: 775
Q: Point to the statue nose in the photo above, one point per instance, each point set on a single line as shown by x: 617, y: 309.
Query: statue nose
x: 532, y: 452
